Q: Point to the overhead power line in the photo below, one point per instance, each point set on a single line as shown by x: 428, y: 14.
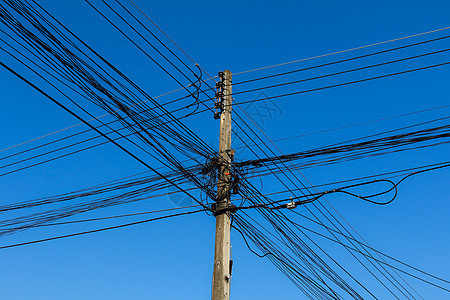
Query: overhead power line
x: 98, y: 230
x: 346, y: 83
x: 344, y: 72
x: 344, y: 51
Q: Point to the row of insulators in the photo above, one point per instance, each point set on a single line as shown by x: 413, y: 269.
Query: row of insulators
x: 219, y: 98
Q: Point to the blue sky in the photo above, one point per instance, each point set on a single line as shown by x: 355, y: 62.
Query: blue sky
x: 172, y: 259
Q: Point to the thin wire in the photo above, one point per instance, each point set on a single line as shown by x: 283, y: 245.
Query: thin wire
x: 343, y: 51
x: 333, y: 208
x: 344, y: 72
x: 167, y: 36
x: 81, y: 123
x: 340, y: 215
x: 371, y: 257
x: 118, y: 216
x: 307, y: 134
x: 359, y: 124
x: 95, y: 129
x: 347, y: 83
x: 307, y: 264
x: 98, y: 230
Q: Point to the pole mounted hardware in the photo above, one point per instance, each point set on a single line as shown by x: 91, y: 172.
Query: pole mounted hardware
x: 220, y: 95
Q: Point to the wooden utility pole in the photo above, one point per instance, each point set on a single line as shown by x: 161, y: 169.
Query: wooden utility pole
x: 221, y: 273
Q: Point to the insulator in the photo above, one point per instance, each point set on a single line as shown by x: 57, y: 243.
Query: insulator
x: 219, y: 95
x: 216, y: 115
x: 220, y: 84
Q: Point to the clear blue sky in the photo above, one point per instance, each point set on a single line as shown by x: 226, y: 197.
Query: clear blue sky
x: 172, y: 259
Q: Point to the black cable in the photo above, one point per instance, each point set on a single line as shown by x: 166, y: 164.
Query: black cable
x: 345, y: 83
x: 343, y: 72
x: 96, y: 130
x: 364, y: 245
x: 344, y: 60
x: 328, y: 219
x: 98, y: 230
